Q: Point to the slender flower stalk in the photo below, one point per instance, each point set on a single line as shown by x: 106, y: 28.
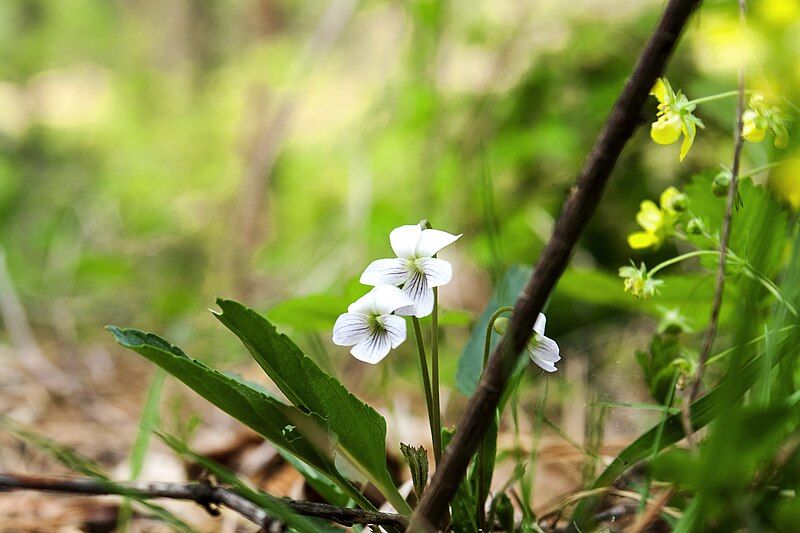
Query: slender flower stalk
x: 712, y: 97
x: 426, y: 379
x: 482, y: 483
x: 436, y: 421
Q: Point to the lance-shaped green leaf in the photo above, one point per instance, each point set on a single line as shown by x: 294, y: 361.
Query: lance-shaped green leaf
x: 304, y: 435
x: 360, y: 429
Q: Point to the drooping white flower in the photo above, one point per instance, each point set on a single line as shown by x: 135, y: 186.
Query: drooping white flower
x: 414, y: 268
x: 369, y: 325
x: 543, y: 350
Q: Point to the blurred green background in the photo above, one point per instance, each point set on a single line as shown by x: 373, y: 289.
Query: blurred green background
x: 155, y: 154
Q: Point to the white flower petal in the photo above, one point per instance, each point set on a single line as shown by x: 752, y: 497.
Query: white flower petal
x: 545, y: 354
x: 395, y: 327
x: 381, y: 300
x: 437, y: 271
x: 417, y: 289
x: 374, y: 348
x: 350, y: 329
x: 544, y: 365
x: 364, y: 305
x: 389, y: 271
x: 404, y: 240
x: 433, y: 240
x: 541, y: 321
x: 389, y: 298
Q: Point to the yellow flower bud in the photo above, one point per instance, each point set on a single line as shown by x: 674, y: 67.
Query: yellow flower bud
x: 751, y: 131
x: 667, y: 129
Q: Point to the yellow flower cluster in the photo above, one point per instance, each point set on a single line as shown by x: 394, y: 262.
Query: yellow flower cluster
x: 761, y: 117
x: 657, y: 221
x: 638, y: 282
x: 675, y: 117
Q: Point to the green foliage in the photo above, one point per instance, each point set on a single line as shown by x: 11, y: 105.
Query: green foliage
x: 501, y: 513
x: 659, y: 365
x: 148, y: 422
x: 470, y: 364
x: 417, y: 459
x: 357, y: 431
x: 303, y: 434
x: 463, y: 504
x: 703, y: 411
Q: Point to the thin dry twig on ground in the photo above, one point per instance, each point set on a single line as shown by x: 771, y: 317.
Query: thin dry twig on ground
x: 719, y: 284
x: 203, y: 494
x: 585, y: 195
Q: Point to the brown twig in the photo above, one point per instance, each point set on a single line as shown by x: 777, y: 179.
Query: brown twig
x: 202, y: 493
x: 652, y: 511
x: 576, y: 213
x: 719, y: 285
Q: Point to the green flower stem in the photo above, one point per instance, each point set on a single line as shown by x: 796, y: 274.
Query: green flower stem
x: 436, y: 421
x: 759, y: 169
x: 749, y: 271
x: 680, y: 258
x: 487, y: 347
x: 482, y: 483
x: 713, y: 97
x: 426, y: 379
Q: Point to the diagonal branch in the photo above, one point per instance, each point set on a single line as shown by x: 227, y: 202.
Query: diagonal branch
x: 577, y: 211
x: 204, y: 494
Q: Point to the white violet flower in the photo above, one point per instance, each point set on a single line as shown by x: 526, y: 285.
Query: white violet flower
x: 369, y: 325
x: 414, y: 268
x: 542, y: 350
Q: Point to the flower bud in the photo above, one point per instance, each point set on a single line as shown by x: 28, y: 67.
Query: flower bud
x: 677, y: 202
x: 695, y: 226
x: 500, y: 325
x: 722, y: 182
x: 673, y: 322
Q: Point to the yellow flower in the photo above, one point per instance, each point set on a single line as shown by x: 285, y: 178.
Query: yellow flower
x: 675, y: 117
x: 751, y: 130
x: 638, y: 282
x: 651, y: 219
x: 657, y: 222
x: 667, y: 129
x: 672, y: 200
x: 763, y: 116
